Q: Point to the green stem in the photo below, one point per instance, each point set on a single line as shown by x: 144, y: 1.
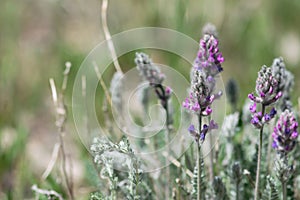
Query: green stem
x: 167, y: 191
x: 199, y: 161
x: 199, y: 171
x: 283, y: 185
x: 237, y: 190
x: 256, y: 197
x: 211, y: 156
x: 137, y: 184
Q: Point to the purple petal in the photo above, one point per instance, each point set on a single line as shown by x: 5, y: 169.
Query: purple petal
x: 168, y: 90
x: 191, y: 128
x: 294, y: 135
x: 273, y: 112
x: 213, y: 125
x: 267, y: 117
x: 253, y: 108
x: 274, y: 145
x: 251, y: 96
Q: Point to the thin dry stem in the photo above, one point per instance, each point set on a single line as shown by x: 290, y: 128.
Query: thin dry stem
x: 108, y: 36
x: 52, y: 162
x: 83, y: 85
x: 46, y: 192
x: 61, y: 115
x: 248, y: 175
x: 176, y: 163
x: 53, y: 91
x: 102, y: 82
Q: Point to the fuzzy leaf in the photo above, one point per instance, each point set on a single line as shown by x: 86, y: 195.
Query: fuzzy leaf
x: 271, y: 192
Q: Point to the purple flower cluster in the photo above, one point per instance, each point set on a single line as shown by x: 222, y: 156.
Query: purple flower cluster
x: 268, y: 90
x: 152, y: 74
x: 209, y: 58
x: 205, y: 129
x: 267, y: 87
x: 285, y: 132
x: 206, y: 66
x: 258, y: 119
x: 148, y: 70
x: 201, y: 97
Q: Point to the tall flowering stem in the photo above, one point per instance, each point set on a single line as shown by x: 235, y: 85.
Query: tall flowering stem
x: 284, y: 136
x: 207, y: 66
x: 268, y: 91
x: 152, y: 74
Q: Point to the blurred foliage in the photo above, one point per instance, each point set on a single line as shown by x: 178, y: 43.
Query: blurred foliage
x: 38, y: 37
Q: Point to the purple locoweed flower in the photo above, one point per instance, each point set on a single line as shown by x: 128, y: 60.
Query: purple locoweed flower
x: 148, y: 70
x: 270, y: 115
x: 209, y: 58
x: 268, y: 90
x: 286, y: 83
x: 152, y: 74
x: 279, y: 72
x: 206, y: 66
x: 268, y: 87
x: 205, y: 129
x: 201, y: 97
x: 285, y: 132
x: 258, y: 119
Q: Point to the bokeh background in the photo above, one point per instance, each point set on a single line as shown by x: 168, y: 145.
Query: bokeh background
x: 38, y: 37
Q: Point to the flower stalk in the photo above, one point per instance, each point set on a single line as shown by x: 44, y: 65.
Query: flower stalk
x: 285, y: 135
x: 207, y: 66
x: 268, y: 90
x: 199, y: 161
x: 257, y: 180
x: 152, y: 74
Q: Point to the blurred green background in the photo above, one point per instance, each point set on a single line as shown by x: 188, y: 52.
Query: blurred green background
x: 38, y: 37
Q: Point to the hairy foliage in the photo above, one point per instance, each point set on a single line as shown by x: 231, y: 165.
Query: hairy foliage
x: 270, y: 192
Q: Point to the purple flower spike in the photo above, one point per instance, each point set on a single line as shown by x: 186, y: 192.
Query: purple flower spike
x: 206, y: 67
x: 148, y: 70
x: 267, y: 88
x: 285, y: 132
x: 201, y: 97
x: 209, y: 58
